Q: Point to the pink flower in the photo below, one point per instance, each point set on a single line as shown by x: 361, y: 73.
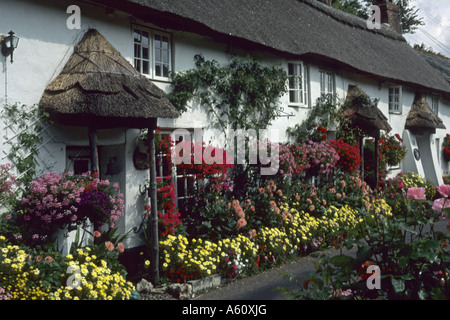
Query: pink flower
x: 416, y: 193
x: 48, y: 259
x: 241, y: 223
x: 109, y: 246
x: 444, y: 190
x: 120, y: 247
x: 440, y: 204
x: 97, y: 234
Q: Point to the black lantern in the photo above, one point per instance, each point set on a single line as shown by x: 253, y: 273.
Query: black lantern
x: 9, y: 43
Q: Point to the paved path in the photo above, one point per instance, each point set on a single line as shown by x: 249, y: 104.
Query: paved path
x: 264, y: 286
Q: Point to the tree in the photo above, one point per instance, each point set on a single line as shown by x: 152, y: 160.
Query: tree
x: 408, y: 13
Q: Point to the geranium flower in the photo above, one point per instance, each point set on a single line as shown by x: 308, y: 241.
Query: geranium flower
x: 416, y: 193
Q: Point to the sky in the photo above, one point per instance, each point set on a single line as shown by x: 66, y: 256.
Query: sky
x: 436, y: 31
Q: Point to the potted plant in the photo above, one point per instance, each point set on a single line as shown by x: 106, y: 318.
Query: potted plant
x: 446, y: 147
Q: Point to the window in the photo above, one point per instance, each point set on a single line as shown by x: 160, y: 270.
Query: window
x: 298, y: 84
x: 395, y: 99
x: 326, y: 82
x: 183, y: 180
x: 435, y: 103
x: 152, y: 55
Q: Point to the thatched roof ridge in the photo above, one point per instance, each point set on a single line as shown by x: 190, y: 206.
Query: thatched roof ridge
x: 421, y: 118
x: 367, y: 115
x: 303, y: 29
x: 99, y: 87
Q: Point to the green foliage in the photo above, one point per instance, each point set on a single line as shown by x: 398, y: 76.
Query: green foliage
x: 242, y: 95
x: 321, y: 115
x: 414, y: 262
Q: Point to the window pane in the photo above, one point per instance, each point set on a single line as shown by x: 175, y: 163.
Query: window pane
x: 137, y: 64
x: 165, y: 43
x: 137, y: 35
x: 157, y: 55
x: 158, y: 70
x: 157, y: 41
x: 145, y: 67
x: 145, y: 53
x: 145, y: 39
x: 165, y: 57
x: 293, y: 97
x: 166, y: 71
x: 137, y: 51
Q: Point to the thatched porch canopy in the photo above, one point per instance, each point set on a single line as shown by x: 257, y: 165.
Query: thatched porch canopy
x: 366, y: 115
x: 421, y: 118
x: 99, y: 88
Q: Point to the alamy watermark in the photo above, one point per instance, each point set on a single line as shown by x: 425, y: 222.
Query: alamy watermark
x: 374, y: 281
x: 374, y: 21
x: 248, y: 142
x: 74, y: 21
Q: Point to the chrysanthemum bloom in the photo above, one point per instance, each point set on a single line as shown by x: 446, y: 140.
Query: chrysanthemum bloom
x: 416, y: 193
x: 109, y: 246
x: 97, y: 234
x: 48, y: 259
x: 120, y: 247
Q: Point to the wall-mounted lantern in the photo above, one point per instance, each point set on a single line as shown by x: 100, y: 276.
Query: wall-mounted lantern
x: 9, y: 44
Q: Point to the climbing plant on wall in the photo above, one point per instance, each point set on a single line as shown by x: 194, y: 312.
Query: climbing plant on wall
x: 22, y: 135
x: 242, y: 95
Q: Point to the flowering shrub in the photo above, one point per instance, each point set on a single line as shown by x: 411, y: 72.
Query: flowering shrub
x: 311, y: 157
x: 7, y: 182
x: 169, y: 216
x: 349, y: 156
x: 83, y: 275
x: 93, y: 280
x: 446, y: 146
x: 391, y: 150
x: 201, y: 258
x: 412, y: 179
x: 55, y: 201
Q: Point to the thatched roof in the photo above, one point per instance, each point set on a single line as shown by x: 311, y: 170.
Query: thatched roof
x: 303, y: 29
x: 441, y: 64
x: 366, y: 114
x: 100, y: 88
x: 421, y: 118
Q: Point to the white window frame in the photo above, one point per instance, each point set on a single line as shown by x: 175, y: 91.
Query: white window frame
x: 395, y: 100
x: 152, y: 53
x: 327, y: 82
x: 298, y: 84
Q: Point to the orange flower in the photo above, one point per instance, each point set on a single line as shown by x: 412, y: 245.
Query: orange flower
x: 120, y: 247
x: 241, y: 223
x: 109, y: 246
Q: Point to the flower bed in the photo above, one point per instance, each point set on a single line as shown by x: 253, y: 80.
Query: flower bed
x: 83, y: 275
